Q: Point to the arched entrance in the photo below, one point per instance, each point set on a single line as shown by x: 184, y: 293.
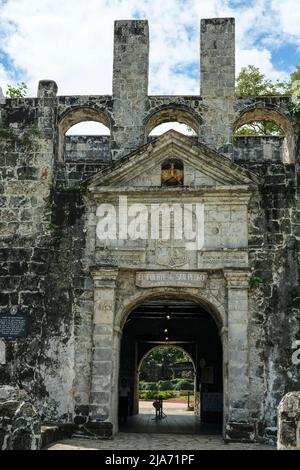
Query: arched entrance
x: 182, y: 322
x: 223, y: 303
x: 173, y: 362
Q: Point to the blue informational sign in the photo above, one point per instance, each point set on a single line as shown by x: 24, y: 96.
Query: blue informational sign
x: 13, y: 324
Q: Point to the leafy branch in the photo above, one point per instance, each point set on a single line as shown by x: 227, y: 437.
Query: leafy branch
x: 18, y: 91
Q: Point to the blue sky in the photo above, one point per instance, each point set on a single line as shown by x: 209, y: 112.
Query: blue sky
x: 73, y: 44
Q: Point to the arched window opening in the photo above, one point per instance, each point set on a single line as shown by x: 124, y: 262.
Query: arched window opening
x: 180, y: 120
x: 260, y: 129
x: 88, y: 128
x: 274, y: 127
x: 172, y: 173
x: 176, y: 126
x: 84, y: 135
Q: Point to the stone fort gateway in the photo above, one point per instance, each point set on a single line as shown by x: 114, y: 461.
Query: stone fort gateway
x: 86, y: 289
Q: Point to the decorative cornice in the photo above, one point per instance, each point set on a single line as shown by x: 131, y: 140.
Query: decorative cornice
x: 104, y: 273
x: 237, y: 278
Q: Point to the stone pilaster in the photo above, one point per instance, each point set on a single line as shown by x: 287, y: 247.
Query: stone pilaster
x: 218, y: 57
x: 47, y: 91
x: 103, y: 375
x: 238, y: 426
x: 130, y: 85
x: 217, y: 70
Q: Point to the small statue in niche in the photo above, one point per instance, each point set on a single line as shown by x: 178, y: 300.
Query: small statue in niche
x: 172, y: 173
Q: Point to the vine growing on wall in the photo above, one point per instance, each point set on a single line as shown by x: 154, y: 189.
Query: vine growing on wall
x: 256, y: 282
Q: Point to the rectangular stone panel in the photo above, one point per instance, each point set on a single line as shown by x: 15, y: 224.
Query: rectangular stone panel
x: 147, y: 279
x: 222, y: 259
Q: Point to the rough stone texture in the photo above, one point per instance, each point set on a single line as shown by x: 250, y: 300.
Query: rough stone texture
x: 259, y: 149
x: 154, y: 442
x: 20, y: 426
x: 289, y: 422
x: 78, y: 292
x: 95, y: 148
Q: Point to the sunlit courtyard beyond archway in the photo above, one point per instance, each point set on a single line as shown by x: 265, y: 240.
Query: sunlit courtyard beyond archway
x: 171, y: 362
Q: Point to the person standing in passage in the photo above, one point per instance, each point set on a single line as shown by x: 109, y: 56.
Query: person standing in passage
x: 124, y: 395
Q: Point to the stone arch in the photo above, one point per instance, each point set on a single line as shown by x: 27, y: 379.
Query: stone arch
x: 76, y: 115
x: 203, y: 299
x: 215, y: 309
x: 171, y: 113
x: 274, y: 115
x: 175, y: 346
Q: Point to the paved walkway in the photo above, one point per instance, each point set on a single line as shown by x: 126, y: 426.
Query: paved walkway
x: 145, y: 434
x: 131, y: 441
x: 177, y: 419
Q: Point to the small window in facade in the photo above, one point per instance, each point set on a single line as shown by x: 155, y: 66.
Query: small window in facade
x: 172, y: 173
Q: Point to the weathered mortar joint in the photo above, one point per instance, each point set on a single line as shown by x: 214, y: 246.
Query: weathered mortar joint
x: 20, y: 425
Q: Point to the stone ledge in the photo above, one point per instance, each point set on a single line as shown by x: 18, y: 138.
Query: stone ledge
x: 99, y: 430
x: 54, y: 433
x: 239, y: 432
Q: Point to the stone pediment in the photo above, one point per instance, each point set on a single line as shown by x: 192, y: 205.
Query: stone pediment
x: 203, y: 167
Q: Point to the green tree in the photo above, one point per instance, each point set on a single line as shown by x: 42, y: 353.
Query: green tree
x: 158, y: 364
x: 259, y: 128
x: 296, y: 74
x: 252, y: 82
x: 18, y: 91
x: 294, y: 77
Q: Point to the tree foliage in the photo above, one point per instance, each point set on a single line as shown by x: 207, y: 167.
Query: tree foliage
x: 18, y: 91
x: 259, y: 128
x: 252, y: 82
x: 158, y: 364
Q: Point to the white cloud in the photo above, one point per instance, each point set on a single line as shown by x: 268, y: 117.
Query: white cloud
x: 261, y: 58
x: 71, y: 41
x: 288, y: 14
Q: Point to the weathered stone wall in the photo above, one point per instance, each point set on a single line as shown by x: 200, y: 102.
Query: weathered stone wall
x: 45, y: 254
x: 258, y: 148
x: 274, y: 255
x: 39, y: 271
x: 20, y: 424
x: 95, y: 148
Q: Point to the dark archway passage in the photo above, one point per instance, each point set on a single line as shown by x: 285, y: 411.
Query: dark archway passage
x: 187, y: 325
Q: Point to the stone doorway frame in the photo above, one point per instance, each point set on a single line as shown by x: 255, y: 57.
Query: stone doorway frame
x: 114, y: 301
x: 140, y: 363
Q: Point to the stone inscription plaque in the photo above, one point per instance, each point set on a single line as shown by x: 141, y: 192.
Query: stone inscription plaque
x: 171, y: 279
x: 13, y: 325
x: 219, y: 259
